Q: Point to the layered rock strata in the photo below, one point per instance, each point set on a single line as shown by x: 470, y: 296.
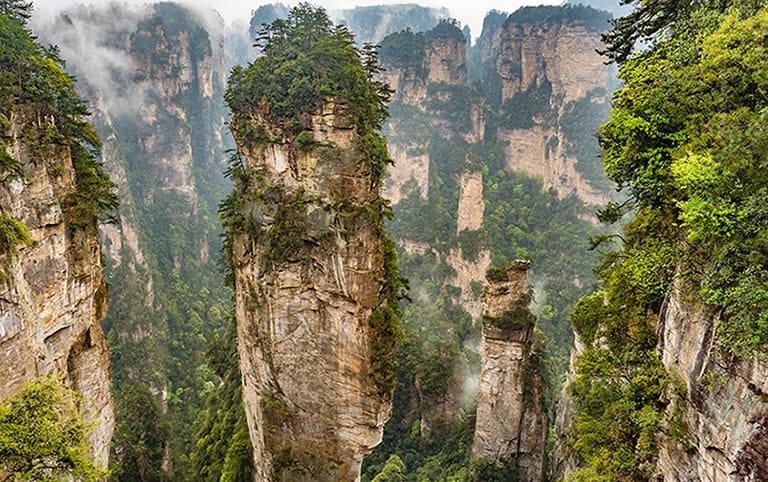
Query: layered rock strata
x: 511, y: 426
x: 719, y: 412
x: 308, y: 283
x: 52, y: 293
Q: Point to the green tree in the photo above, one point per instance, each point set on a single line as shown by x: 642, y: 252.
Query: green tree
x: 138, y: 448
x: 393, y: 471
x: 19, y: 10
x: 43, y: 436
x: 687, y: 137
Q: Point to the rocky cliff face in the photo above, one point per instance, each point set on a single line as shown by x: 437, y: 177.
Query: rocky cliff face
x: 511, y: 426
x: 722, y: 407
x: 52, y: 294
x: 469, y: 127
x: 544, y: 69
x: 308, y: 278
x: 155, y: 78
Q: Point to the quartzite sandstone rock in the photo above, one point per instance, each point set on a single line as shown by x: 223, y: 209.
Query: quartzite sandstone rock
x: 52, y: 294
x: 723, y: 404
x: 304, y: 338
x: 511, y: 426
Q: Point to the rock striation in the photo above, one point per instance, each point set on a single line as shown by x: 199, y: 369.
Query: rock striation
x: 155, y: 77
x: 511, y: 427
x: 551, y: 64
x: 309, y: 301
x: 721, y: 407
x: 52, y: 293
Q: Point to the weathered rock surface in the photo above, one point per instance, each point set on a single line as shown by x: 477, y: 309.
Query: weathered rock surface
x: 725, y: 404
x: 539, y: 151
x: 471, y: 205
x: 313, y: 406
x: 562, y: 55
x: 52, y: 294
x: 511, y: 426
x: 444, y: 62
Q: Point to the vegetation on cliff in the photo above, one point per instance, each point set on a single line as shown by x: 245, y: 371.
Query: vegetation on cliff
x: 43, y: 436
x: 307, y: 63
x: 520, y: 220
x: 39, y: 107
x: 687, y: 139
x: 161, y: 118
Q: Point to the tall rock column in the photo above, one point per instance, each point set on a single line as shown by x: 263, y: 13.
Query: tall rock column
x: 308, y: 284
x: 52, y: 291
x: 511, y: 427
x: 315, y: 275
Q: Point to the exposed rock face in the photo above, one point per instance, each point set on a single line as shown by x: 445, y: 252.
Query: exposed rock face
x: 444, y: 62
x: 52, y: 295
x: 564, y: 53
x: 407, y: 167
x: 471, y: 206
x: 313, y: 406
x: 563, y: 461
x: 511, y: 426
x: 557, y: 60
x: 539, y: 152
x: 446, y: 407
x: 724, y: 407
x: 447, y: 60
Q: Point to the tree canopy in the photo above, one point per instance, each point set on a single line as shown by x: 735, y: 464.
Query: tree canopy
x: 687, y: 139
x: 43, y: 436
x: 306, y: 61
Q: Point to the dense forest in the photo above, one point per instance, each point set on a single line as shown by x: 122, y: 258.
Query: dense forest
x: 686, y: 139
x: 678, y: 150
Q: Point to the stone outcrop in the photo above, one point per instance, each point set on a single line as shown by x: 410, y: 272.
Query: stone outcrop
x: 511, y: 426
x: 471, y: 205
x: 563, y: 52
x: 52, y: 294
x: 721, y: 407
x: 557, y: 59
x: 563, y: 460
x: 444, y: 63
x: 304, y: 311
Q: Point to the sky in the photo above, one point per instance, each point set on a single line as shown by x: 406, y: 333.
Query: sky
x: 468, y: 12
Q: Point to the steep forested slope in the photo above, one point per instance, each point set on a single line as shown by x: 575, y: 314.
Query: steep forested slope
x: 155, y: 79
x: 671, y: 381
x: 495, y: 160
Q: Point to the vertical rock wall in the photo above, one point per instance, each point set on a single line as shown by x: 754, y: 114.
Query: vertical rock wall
x: 556, y: 62
x: 52, y: 294
x: 720, y: 410
x: 511, y: 426
x: 304, y: 308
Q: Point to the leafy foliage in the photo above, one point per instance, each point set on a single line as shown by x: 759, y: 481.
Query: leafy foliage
x: 19, y: 10
x: 306, y: 62
x: 43, y: 436
x: 687, y: 137
x: 13, y: 233
x: 404, y: 49
x: 694, y: 158
x: 223, y: 449
x: 33, y: 87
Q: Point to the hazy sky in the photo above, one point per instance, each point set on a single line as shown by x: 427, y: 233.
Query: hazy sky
x: 468, y: 12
